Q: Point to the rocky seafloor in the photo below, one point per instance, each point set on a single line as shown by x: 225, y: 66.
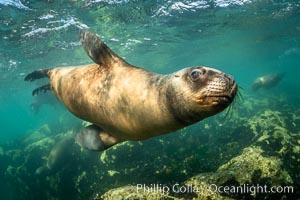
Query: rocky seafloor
x: 256, y: 143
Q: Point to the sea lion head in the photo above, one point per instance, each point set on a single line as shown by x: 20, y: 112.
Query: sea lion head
x: 200, y: 92
x: 258, y: 83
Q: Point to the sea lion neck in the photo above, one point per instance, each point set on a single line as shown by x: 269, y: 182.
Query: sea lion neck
x: 179, y: 107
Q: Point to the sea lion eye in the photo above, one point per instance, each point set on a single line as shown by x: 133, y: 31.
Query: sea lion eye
x: 195, y: 74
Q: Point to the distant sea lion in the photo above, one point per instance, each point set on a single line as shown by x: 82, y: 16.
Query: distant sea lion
x: 42, y: 99
x: 61, y: 153
x: 125, y: 102
x: 267, y: 81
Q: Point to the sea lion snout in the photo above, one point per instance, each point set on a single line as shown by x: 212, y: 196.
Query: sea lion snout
x: 229, y: 77
x: 214, y: 88
x: 231, y: 87
x: 223, y: 88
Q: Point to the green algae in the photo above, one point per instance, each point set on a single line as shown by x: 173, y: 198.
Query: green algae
x: 249, y: 168
x: 130, y: 192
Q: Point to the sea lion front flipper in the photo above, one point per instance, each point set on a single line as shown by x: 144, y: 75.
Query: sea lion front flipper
x: 94, y: 138
x: 97, y: 50
x: 43, y: 88
x: 37, y: 74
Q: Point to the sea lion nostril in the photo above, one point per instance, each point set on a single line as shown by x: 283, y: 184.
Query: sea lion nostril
x: 229, y: 78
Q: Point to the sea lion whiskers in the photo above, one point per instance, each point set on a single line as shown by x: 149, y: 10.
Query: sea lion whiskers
x: 235, y: 102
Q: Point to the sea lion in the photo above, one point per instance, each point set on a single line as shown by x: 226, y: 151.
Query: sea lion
x: 267, y: 81
x: 64, y: 151
x: 124, y: 102
x: 42, y: 99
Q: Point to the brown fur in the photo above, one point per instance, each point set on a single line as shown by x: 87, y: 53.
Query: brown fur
x: 130, y: 103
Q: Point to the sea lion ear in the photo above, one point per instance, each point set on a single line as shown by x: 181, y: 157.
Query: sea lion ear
x: 99, y: 52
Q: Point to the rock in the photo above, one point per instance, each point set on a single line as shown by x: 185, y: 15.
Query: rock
x: 130, y: 192
x: 249, y: 169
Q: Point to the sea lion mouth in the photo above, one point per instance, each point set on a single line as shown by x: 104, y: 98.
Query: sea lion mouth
x: 215, y: 100
x: 225, y: 99
x: 219, y: 99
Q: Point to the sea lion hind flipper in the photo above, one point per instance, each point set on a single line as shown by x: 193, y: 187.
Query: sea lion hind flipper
x: 97, y: 50
x: 43, y: 88
x: 94, y: 138
x: 37, y: 74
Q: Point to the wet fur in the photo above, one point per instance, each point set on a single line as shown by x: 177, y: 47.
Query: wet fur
x: 130, y: 103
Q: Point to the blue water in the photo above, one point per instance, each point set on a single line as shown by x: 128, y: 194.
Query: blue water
x: 246, y: 39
